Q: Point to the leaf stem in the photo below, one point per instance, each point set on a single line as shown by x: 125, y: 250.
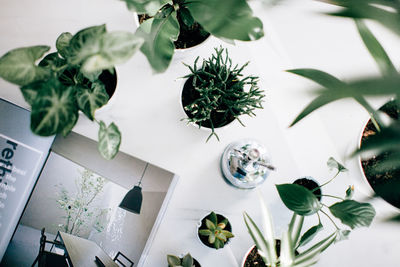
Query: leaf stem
x: 329, y: 217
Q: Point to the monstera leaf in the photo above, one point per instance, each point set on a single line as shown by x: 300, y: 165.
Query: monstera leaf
x: 159, y: 35
x: 91, y: 99
x: 231, y: 19
x: 18, y: 65
x: 109, y: 140
x: 54, y: 110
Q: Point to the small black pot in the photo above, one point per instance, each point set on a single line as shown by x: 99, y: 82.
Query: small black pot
x: 310, y: 184
x: 202, y: 225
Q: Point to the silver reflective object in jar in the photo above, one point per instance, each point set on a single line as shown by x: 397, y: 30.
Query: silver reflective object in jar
x: 245, y: 164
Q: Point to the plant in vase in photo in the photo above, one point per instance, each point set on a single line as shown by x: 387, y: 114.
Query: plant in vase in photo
x: 216, y: 93
x: 186, y: 261
x: 77, y: 77
x: 383, y: 168
x: 215, y: 231
x: 80, y: 213
x: 304, y: 203
x: 170, y: 24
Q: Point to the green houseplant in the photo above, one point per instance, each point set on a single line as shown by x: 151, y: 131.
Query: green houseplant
x: 304, y: 203
x: 215, y: 230
x: 185, y: 261
x: 70, y: 80
x: 216, y: 93
x: 382, y: 174
x: 172, y: 21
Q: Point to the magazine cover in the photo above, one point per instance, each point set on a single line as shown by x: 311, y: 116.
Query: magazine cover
x: 91, y: 211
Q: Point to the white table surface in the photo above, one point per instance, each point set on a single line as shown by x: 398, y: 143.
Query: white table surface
x: 147, y: 109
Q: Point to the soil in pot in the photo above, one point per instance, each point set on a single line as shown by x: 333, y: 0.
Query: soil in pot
x: 188, y: 36
x: 254, y: 259
x: 310, y: 185
x: 204, y: 239
x: 189, y: 95
x: 386, y: 184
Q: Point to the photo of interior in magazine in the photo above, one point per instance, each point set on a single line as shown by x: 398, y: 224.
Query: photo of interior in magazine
x: 90, y: 210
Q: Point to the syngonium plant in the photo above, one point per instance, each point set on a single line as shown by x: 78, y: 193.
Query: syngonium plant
x: 387, y: 138
x: 226, y: 19
x: 67, y: 81
x: 215, y: 231
x: 221, y: 92
x: 304, y: 203
x: 186, y: 261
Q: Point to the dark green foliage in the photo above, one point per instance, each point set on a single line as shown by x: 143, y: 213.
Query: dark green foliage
x: 221, y: 92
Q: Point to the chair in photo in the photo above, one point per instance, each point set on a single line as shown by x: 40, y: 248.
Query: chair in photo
x: 125, y: 262
x: 47, y: 257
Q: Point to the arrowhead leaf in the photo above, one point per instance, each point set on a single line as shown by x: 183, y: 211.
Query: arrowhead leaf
x: 91, y: 99
x: 109, y: 140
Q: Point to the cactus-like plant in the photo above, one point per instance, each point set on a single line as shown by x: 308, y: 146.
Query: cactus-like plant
x: 217, y: 235
x: 219, y: 94
x: 186, y: 261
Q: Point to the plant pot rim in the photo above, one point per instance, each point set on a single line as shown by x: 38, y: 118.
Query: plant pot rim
x: 198, y: 225
x: 246, y: 255
x: 205, y: 129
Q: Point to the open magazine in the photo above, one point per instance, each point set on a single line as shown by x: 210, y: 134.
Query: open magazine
x: 78, y: 193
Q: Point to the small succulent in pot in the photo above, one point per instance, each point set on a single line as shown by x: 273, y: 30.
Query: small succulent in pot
x: 215, y: 230
x: 185, y: 261
x: 77, y: 77
x: 216, y: 93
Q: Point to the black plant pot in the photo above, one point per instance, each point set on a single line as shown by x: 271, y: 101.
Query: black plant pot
x: 202, y: 225
x: 311, y: 185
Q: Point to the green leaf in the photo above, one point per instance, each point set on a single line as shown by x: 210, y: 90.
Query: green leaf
x: 186, y: 16
x: 213, y: 217
x: 91, y: 99
x: 342, y: 235
x: 218, y: 244
x: 109, y: 140
x: 145, y: 6
x: 375, y: 49
x: 62, y: 44
x: 204, y: 232
x: 173, y: 260
x: 334, y: 164
x: 187, y: 260
x: 116, y: 48
x: 232, y: 19
x: 54, y: 110
x: 18, y: 65
x: 298, y: 199
x: 221, y: 237
x: 211, y: 238
x: 210, y: 225
x: 295, y: 226
x: 385, y: 140
x: 310, y: 234
x: 227, y: 234
x: 312, y: 253
x: 85, y: 44
x: 30, y: 91
x: 353, y: 213
x: 264, y: 244
x: 158, y: 44
x: 287, y: 251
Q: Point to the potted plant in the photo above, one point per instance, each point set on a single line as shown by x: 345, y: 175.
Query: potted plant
x: 79, y: 76
x: 304, y: 203
x: 215, y: 93
x: 378, y: 136
x: 215, y: 230
x: 311, y: 184
x: 183, y: 23
x: 185, y: 261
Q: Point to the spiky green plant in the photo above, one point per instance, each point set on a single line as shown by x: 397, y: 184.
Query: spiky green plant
x: 186, y: 261
x: 221, y: 93
x: 217, y: 236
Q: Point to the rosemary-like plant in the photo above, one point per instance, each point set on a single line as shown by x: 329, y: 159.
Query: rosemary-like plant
x: 218, y: 93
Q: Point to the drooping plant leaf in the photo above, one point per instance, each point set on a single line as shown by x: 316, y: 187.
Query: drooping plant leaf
x: 375, y: 49
x: 310, y: 234
x: 116, y: 48
x: 149, y: 7
x: 109, y: 140
x: 159, y: 35
x: 85, y: 43
x: 353, y: 213
x: 298, y: 199
x: 54, y: 109
x: 18, y: 65
x: 91, y: 99
x: 62, y: 44
x: 232, y: 19
x: 334, y: 164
